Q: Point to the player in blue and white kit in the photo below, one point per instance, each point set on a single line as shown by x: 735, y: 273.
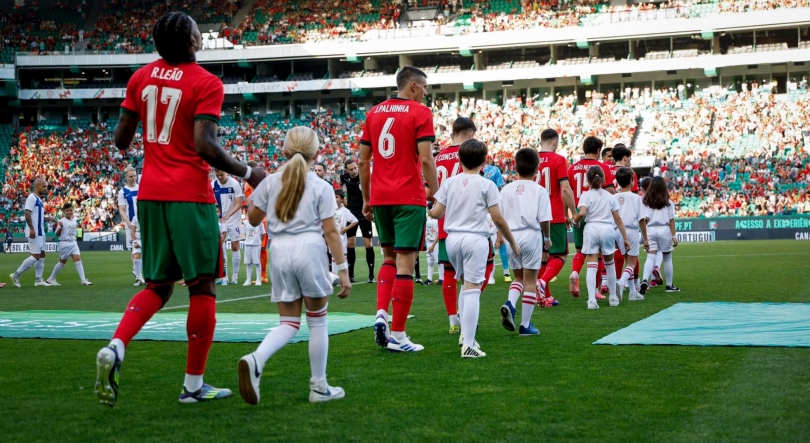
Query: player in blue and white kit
x: 68, y: 248
x: 128, y: 208
x: 253, y: 246
x: 229, y: 197
x: 35, y: 231
x: 300, y: 211
x: 493, y: 174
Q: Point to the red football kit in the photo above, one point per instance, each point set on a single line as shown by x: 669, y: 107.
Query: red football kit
x: 553, y: 170
x: 167, y: 100
x: 447, y: 165
x: 393, y: 129
x: 577, y: 176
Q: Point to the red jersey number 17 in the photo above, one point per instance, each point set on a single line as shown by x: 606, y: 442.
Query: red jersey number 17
x: 168, y: 96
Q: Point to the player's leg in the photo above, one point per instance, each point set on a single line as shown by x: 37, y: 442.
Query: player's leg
x: 77, y: 261
x: 578, y: 260
x: 659, y: 259
x: 194, y: 240
x: 162, y: 271
x: 417, y: 272
x: 235, y: 235
x: 431, y: 262
x: 409, y: 237
x: 530, y: 293
x: 507, y: 278
x: 351, y: 252
x: 39, y: 266
x: 669, y: 272
x: 490, y: 268
x: 447, y: 275
x: 554, y: 264
x: 64, y: 254
x: 319, y: 389
x: 608, y: 247
x: 470, y: 252
x: 384, y: 219
x: 509, y: 308
x: 138, y: 265
x: 257, y: 266
x: 365, y: 228
x: 263, y: 258
x: 649, y: 264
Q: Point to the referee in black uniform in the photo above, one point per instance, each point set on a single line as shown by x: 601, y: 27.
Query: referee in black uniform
x: 350, y: 180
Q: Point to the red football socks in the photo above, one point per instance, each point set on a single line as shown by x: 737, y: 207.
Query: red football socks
x: 553, y: 268
x: 601, y: 269
x: 140, y: 309
x: 402, y: 295
x: 202, y: 320
x: 635, y: 271
x: 577, y: 262
x: 618, y: 258
x: 487, y: 274
x: 450, y: 290
x: 385, y: 284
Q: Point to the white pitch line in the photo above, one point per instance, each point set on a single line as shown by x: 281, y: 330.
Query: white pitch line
x: 238, y: 299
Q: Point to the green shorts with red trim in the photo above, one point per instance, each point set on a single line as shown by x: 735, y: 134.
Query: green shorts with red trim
x: 402, y: 227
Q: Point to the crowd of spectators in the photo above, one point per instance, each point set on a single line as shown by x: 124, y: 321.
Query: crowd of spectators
x: 125, y: 26
x: 81, y: 166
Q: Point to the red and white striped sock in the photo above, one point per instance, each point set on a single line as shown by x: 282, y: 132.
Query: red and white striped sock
x: 278, y: 337
x: 514, y: 293
x: 590, y: 281
x: 529, y: 300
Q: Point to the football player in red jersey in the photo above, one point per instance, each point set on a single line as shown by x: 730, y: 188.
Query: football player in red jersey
x: 577, y: 177
x: 448, y: 165
x: 179, y: 103
x: 398, y: 136
x: 553, y: 176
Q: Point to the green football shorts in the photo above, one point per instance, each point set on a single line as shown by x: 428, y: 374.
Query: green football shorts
x: 559, y: 239
x: 579, y: 234
x: 180, y: 241
x: 443, y: 253
x: 402, y: 227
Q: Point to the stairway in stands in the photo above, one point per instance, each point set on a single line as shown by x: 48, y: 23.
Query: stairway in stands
x: 6, y: 136
x: 642, y: 142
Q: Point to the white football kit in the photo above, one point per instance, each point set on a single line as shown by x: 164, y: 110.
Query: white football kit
x: 253, y: 243
x: 659, y: 234
x: 37, y: 208
x: 225, y: 197
x: 631, y: 211
x: 467, y: 198
x: 67, y: 239
x: 291, y: 272
x: 525, y: 204
x: 343, y: 218
x: 600, y: 232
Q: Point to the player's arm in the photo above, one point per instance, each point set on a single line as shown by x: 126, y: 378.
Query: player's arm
x: 347, y: 228
x: 235, y: 207
x: 672, y: 229
x: 438, y: 210
x: 124, y: 211
x: 364, y: 165
x: 428, y: 167
x: 568, y: 199
x: 620, y: 224
x: 59, y: 229
x: 503, y: 228
x: 583, y: 211
x: 643, y: 225
x: 433, y: 245
x: 335, y: 243
x: 125, y: 130
x: 208, y: 148
x: 30, y: 223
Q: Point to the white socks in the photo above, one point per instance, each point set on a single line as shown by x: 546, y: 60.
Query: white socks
x: 529, y: 300
x: 649, y: 264
x: 469, y: 316
x: 590, y: 281
x: 236, y: 260
x: 39, y: 268
x: 514, y: 293
x: 441, y: 271
x: 249, y: 273
x: 258, y: 274
x: 137, y: 267
x: 56, y: 270
x: 318, y: 342
x: 193, y: 383
x: 610, y: 268
x: 668, y: 268
x: 79, y: 270
x: 627, y: 275
x: 454, y: 321
x: 27, y: 263
x: 278, y: 337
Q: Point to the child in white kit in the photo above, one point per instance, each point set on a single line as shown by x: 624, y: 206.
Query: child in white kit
x: 601, y: 213
x: 632, y: 214
x: 660, y: 214
x: 68, y: 248
x: 467, y: 198
x: 300, y: 210
x: 253, y: 246
x: 527, y: 209
x: 345, y: 221
x: 135, y: 227
x: 432, y: 239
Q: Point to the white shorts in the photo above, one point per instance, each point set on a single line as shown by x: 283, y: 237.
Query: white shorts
x: 433, y: 257
x: 599, y: 237
x: 468, y: 254
x: 235, y: 233
x: 294, y: 274
x: 67, y: 250
x: 531, y: 250
x: 660, y: 238
x: 128, y: 235
x: 36, y: 245
x: 634, y: 237
x: 252, y: 254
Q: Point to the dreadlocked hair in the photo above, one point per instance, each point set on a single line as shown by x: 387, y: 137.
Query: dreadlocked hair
x: 172, y: 35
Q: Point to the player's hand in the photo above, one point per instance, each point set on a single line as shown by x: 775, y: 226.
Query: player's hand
x: 626, y: 244
x: 515, y: 249
x: 646, y: 246
x: 497, y: 244
x: 345, y: 284
x: 368, y: 213
x: 256, y: 177
x: 430, y: 249
x: 568, y: 223
x: 674, y: 241
x: 32, y: 236
x: 61, y: 225
x: 136, y: 245
x: 547, y: 245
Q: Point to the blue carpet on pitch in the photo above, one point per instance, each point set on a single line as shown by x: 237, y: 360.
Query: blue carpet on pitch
x: 720, y: 324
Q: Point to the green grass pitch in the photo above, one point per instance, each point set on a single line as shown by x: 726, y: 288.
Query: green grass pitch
x: 554, y: 387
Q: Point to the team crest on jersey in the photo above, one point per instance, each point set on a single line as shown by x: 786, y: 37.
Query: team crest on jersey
x: 465, y: 182
x: 621, y: 200
x: 521, y: 189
